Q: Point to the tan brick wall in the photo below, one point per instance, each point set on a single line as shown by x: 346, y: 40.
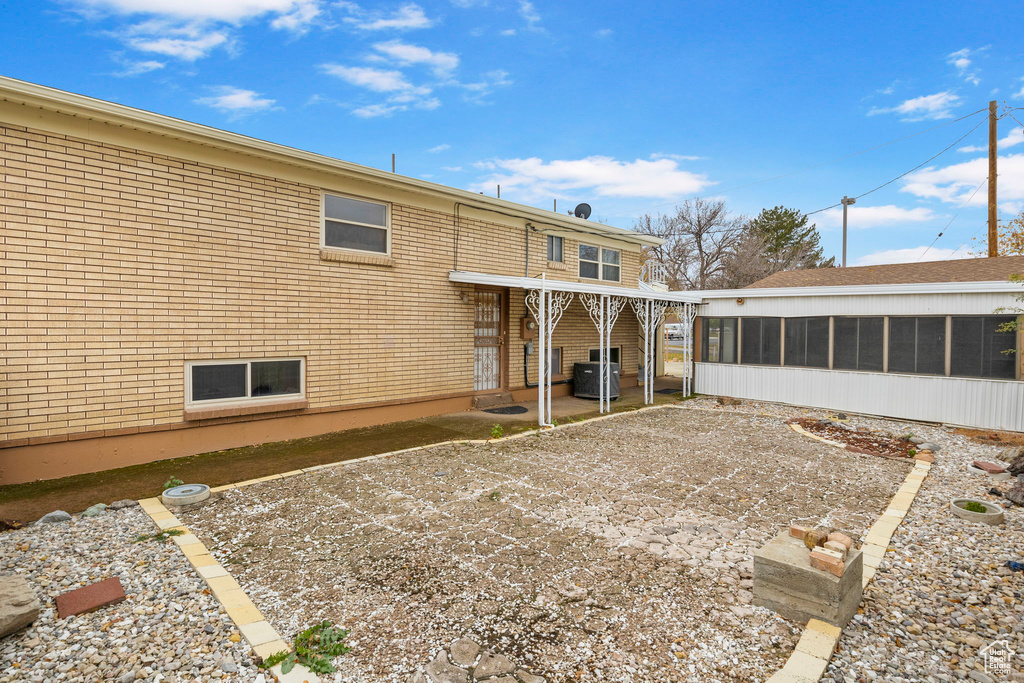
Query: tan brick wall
x: 119, y: 266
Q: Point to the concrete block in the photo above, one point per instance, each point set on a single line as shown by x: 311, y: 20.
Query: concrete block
x: 785, y: 582
x: 803, y: 665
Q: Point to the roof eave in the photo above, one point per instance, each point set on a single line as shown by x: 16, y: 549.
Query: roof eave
x: 867, y: 290
x: 52, y: 99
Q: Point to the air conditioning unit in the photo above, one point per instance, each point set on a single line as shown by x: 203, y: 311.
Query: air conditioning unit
x: 586, y: 380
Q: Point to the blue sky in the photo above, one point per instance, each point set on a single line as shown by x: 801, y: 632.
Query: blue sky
x: 631, y: 107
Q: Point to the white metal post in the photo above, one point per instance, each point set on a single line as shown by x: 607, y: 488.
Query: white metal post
x: 541, y: 343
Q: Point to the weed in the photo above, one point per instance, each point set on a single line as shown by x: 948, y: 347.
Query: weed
x: 554, y: 423
x: 314, y: 648
x: 495, y: 496
x: 172, y: 482
x: 163, y: 536
x: 972, y: 506
x: 912, y: 452
x: 497, y: 431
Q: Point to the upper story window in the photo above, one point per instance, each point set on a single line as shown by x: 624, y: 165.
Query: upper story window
x: 598, y: 263
x: 857, y: 344
x: 761, y: 341
x: 917, y: 345
x: 356, y: 224
x: 232, y: 381
x: 981, y: 347
x: 555, y: 246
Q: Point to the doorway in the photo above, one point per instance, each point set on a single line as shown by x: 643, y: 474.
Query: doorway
x: 489, y: 334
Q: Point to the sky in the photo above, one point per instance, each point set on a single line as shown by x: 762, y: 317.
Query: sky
x: 630, y: 107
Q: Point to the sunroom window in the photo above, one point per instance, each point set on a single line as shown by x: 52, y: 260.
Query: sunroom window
x: 718, y: 337
x: 980, y: 347
x: 917, y: 345
x: 230, y: 381
x: 807, y: 342
x: 858, y: 344
x: 355, y: 224
x: 761, y: 341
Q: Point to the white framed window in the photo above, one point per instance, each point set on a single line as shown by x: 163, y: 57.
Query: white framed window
x: 599, y: 263
x: 355, y: 224
x: 555, y: 245
x: 211, y: 382
x: 613, y: 355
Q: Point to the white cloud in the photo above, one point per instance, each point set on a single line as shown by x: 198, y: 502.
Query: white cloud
x: 442, y: 63
x: 191, y: 29
x: 603, y: 33
x: 188, y: 49
x: 911, y: 255
x: 377, y: 80
x: 136, y: 68
x: 534, y: 178
x: 508, y: 32
x: 529, y: 13
x: 407, y: 17
x: 439, y: 148
x: 961, y: 61
x: 234, y: 100
x: 452, y: 169
x: 1014, y: 137
x: 1019, y: 95
x: 956, y: 183
x: 936, y: 106
x: 677, y: 157
x: 863, y: 217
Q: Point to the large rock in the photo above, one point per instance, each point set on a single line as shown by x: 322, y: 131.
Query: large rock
x: 19, y: 605
x: 1016, y: 493
x: 55, y: 516
x: 1016, y: 466
x: 94, y: 510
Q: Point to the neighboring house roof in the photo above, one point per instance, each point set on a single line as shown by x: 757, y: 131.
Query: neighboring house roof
x: 88, y: 108
x: 958, y: 270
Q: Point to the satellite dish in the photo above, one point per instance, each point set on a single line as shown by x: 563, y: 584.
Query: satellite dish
x: 582, y: 211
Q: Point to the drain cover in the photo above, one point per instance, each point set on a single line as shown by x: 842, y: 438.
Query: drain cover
x: 506, y: 410
x: 186, y: 494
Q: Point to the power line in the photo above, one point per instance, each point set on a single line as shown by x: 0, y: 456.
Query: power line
x: 962, y: 206
x: 906, y: 173
x: 825, y: 163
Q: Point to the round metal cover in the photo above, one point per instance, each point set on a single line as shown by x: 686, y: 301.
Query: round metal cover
x: 186, y: 494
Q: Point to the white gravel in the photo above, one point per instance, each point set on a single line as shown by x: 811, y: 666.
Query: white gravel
x: 170, y: 628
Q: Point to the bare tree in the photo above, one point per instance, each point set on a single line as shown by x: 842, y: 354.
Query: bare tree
x: 699, y: 238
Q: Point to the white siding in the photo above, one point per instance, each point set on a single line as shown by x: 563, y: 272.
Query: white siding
x: 982, y: 403
x: 984, y: 303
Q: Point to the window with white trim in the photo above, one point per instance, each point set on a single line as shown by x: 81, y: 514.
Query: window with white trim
x: 598, y: 263
x: 244, y: 380
x: 555, y: 244
x: 355, y: 224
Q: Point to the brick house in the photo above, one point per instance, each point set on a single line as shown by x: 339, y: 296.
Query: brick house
x: 172, y: 289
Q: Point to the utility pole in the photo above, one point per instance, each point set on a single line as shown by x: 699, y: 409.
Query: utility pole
x: 846, y: 202
x: 993, y: 155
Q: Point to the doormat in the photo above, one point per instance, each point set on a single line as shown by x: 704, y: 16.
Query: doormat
x: 506, y: 410
x: 669, y: 391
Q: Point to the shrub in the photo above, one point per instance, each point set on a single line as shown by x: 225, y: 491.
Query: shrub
x: 497, y: 431
x: 172, y: 482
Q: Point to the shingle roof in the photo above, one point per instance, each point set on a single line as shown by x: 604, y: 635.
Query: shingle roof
x: 959, y: 270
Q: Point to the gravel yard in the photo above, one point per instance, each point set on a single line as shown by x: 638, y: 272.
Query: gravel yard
x: 619, y: 550
x: 168, y: 629
x: 942, y: 592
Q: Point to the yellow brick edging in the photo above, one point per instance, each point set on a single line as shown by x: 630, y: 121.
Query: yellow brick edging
x: 257, y: 631
x: 809, y: 660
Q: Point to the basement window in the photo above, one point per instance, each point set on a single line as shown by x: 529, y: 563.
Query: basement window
x: 209, y: 382
x: 355, y: 225
x: 979, y: 347
x: 613, y: 355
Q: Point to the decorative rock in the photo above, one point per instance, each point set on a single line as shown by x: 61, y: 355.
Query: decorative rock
x: 94, y: 510
x: 493, y: 665
x: 1016, y: 466
x: 442, y: 671
x: 19, y: 605
x: 121, y: 504
x: 726, y: 401
x: 463, y: 652
x: 527, y: 677
x: 55, y: 516
x: 928, y: 446
x: 1016, y: 494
